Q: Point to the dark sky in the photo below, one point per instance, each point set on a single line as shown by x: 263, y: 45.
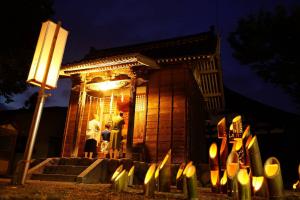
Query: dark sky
x: 111, y: 23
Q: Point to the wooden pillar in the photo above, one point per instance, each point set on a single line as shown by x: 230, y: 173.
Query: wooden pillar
x: 130, y: 130
x: 79, y: 117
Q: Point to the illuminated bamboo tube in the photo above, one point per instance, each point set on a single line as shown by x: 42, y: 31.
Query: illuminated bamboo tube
x: 184, y: 185
x: 116, y: 173
x: 223, y: 153
x: 179, y: 177
x: 130, y: 176
x: 255, y: 158
x: 232, y: 168
x: 274, y: 178
x: 245, y: 137
x: 247, y: 156
x: 259, y: 186
x: 156, y: 177
x: 191, y: 181
x: 121, y: 182
x: 223, y: 183
x: 165, y: 174
x: 238, y: 147
x: 149, y: 182
x: 244, y: 188
x: 214, y: 167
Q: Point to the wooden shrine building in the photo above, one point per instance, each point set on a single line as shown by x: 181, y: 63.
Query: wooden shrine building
x: 164, y: 88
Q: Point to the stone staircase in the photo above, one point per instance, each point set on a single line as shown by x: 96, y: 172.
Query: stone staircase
x: 61, y: 169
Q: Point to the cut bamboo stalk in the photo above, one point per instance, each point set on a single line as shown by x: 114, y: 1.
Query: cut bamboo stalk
x: 130, y: 176
x: 120, y: 182
x: 259, y: 186
x: 165, y: 173
x: 223, y: 183
x: 255, y: 158
x: 238, y: 147
x: 214, y: 167
x: 116, y: 173
x: 245, y: 137
x: 214, y: 180
x: 184, y: 187
x: 223, y: 153
x: 191, y: 180
x: 222, y: 128
x: 247, y: 156
x: 232, y: 168
x: 237, y: 127
x: 274, y: 178
x: 156, y: 177
x: 231, y: 134
x: 179, y: 177
x: 244, y: 188
x: 149, y: 182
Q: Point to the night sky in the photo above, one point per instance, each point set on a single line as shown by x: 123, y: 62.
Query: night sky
x: 106, y: 24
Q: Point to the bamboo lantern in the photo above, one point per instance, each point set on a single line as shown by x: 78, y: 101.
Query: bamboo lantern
x: 244, y: 189
x: 120, y: 182
x: 274, y: 178
x: 238, y: 147
x: 149, y: 182
x: 179, y: 177
x: 130, y: 176
x: 259, y: 186
x: 245, y: 137
x: 191, y: 180
x: 232, y: 168
x: 184, y: 189
x: 231, y: 134
x: 255, y: 158
x: 165, y: 173
x: 237, y: 127
x: 223, y: 183
x: 222, y: 128
x: 223, y: 153
x: 156, y: 177
x: 247, y: 156
x: 214, y: 167
x: 116, y: 173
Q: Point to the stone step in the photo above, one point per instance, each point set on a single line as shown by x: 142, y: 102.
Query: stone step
x: 76, y: 161
x: 64, y: 169
x: 54, y: 177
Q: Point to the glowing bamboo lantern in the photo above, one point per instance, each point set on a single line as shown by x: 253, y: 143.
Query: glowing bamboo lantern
x: 179, y: 177
x: 244, y: 188
x: 223, y: 153
x: 231, y: 134
x: 255, y: 158
x: 156, y: 177
x: 237, y: 127
x: 191, y: 180
x: 221, y: 127
x: 238, y: 148
x: 149, y: 182
x: 165, y: 173
x: 120, y: 182
x: 232, y: 168
x: 259, y: 186
x: 131, y: 175
x: 116, y: 173
x: 247, y: 156
x: 223, y: 183
x: 245, y: 137
x: 214, y: 167
x: 274, y: 178
x: 184, y: 189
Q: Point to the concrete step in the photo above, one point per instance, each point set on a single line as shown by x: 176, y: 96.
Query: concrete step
x: 64, y: 169
x: 76, y: 161
x: 54, y: 177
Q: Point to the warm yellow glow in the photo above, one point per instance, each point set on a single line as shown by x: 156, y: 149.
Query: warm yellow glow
x: 111, y: 103
x: 122, y: 97
x: 295, y: 185
x: 224, y: 178
x: 271, y: 169
x: 238, y: 144
x: 131, y: 171
x: 213, y: 150
x: 214, y: 177
x: 186, y: 167
x: 243, y: 177
x: 252, y: 142
x: 150, y: 173
x: 223, y: 145
x: 156, y: 175
x: 232, y: 169
x: 237, y: 124
x: 221, y: 128
x: 117, y: 172
x: 248, y: 141
x: 120, y: 175
x: 257, y: 182
x: 180, y: 171
x: 162, y: 164
x: 246, y: 132
x: 41, y: 55
x: 190, y: 171
x: 107, y: 85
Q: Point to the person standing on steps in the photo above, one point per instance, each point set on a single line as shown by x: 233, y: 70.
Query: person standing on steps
x: 92, y: 133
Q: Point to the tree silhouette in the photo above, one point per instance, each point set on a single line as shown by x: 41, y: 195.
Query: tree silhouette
x: 269, y: 43
x: 21, y: 23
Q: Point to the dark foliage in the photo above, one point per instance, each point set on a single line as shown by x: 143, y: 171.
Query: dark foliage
x: 21, y: 23
x: 269, y: 43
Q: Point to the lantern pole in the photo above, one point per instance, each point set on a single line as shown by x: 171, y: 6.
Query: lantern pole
x: 38, y: 111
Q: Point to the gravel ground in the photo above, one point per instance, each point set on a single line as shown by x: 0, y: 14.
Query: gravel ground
x: 60, y: 190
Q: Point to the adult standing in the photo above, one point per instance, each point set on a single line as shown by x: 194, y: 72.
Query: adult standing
x: 116, y: 135
x: 92, y: 134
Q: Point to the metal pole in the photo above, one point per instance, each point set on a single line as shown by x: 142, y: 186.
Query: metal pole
x: 38, y: 111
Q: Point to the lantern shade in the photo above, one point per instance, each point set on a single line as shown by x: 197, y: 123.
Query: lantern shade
x: 43, y: 54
